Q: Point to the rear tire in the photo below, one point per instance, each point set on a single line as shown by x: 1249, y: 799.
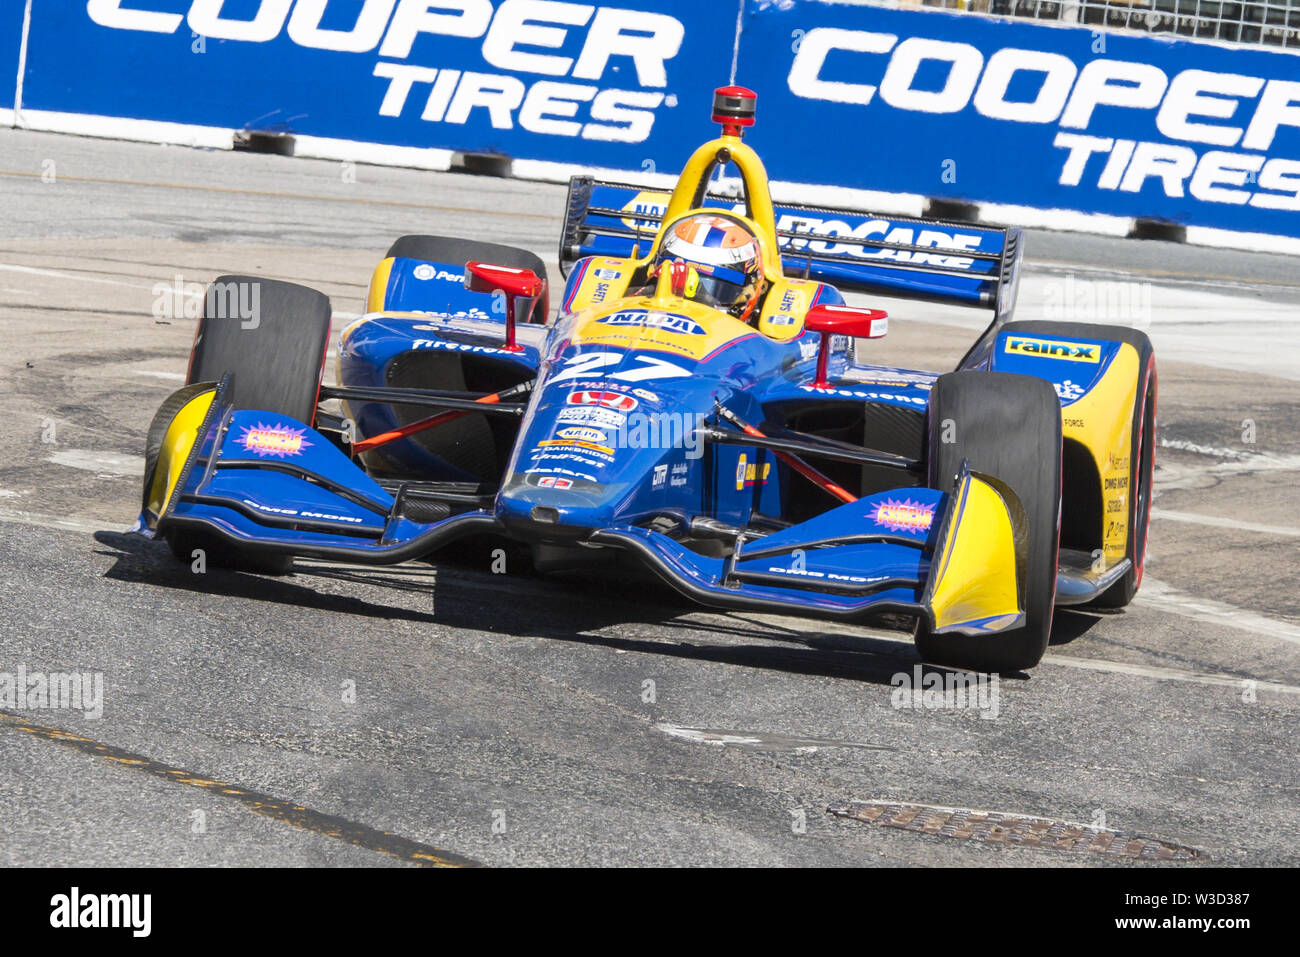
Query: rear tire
x: 1008, y: 427
x: 273, y: 336
x: 453, y: 251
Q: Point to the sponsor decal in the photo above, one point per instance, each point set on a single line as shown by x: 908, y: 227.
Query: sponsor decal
x: 904, y: 516
x: 812, y: 573
x: 274, y: 441
x: 609, y: 400
x: 581, y: 434
x: 607, y: 274
x: 296, y: 513
x: 581, y: 95
x: 1068, y: 391
x: 589, y: 446
x: 558, y: 470
x: 747, y: 473
x: 781, y: 320
x: 1053, y: 349
x: 870, y: 396
x: 454, y: 346
x: 600, y: 292
x: 1078, y: 104
x: 593, y: 415
x: 442, y: 321
x: 824, y: 231
x: 667, y: 321
x: 1118, y: 483
x: 659, y: 476
x: 424, y: 271
x: 648, y: 204
x: 551, y: 481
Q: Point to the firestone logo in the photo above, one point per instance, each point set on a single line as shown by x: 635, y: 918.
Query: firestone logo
x: 536, y: 38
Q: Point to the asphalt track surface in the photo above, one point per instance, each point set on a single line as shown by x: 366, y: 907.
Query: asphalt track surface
x: 506, y: 719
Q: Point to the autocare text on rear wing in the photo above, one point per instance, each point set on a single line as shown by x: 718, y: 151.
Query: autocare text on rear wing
x: 929, y: 259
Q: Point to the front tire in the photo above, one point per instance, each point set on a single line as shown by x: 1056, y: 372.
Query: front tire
x: 274, y: 337
x: 1009, y: 427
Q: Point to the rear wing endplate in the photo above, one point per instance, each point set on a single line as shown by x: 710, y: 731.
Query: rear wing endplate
x: 930, y: 259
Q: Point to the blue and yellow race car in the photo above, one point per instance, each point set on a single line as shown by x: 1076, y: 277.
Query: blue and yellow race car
x: 695, y: 409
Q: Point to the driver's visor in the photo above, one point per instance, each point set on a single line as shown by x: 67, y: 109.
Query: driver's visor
x: 714, y: 286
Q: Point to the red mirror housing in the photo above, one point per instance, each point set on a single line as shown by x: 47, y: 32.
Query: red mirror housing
x: 842, y: 321
x: 514, y: 283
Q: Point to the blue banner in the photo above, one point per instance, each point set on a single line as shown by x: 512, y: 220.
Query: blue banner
x: 972, y: 108
x: 567, y: 82
x: 11, y: 37
x: 920, y: 102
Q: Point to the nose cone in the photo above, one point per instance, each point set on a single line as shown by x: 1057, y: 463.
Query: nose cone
x: 596, y: 453
x: 550, y: 507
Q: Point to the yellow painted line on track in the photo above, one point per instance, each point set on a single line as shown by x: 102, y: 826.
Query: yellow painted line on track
x: 304, y: 818
x: 276, y: 194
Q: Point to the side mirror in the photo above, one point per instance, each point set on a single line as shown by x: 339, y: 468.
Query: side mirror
x: 842, y: 321
x: 512, y: 283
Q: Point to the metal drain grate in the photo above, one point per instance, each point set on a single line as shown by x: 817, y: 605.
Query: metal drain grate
x: 1019, y: 830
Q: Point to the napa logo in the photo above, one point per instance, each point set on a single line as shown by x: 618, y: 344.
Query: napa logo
x: 581, y: 434
x: 667, y: 321
x: 750, y: 473
x: 648, y: 204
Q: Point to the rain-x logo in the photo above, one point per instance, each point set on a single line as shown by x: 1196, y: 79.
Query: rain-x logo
x: 24, y: 690
x: 553, y: 41
x: 130, y: 911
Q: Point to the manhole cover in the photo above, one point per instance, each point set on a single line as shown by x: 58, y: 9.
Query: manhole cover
x: 1020, y: 830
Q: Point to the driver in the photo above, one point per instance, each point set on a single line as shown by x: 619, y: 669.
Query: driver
x: 714, y: 261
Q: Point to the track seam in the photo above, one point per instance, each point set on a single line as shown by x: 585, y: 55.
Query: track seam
x: 303, y: 818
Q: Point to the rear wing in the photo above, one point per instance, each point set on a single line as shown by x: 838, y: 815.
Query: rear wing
x: 930, y: 259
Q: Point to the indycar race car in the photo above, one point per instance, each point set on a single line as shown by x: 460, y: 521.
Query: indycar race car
x: 695, y: 409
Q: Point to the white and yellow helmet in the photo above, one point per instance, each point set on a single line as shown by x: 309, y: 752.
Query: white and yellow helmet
x: 715, y: 260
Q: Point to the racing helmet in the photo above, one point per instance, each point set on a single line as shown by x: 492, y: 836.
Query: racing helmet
x: 713, y: 260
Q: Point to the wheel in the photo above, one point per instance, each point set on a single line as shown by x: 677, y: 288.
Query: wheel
x: 1007, y: 426
x: 453, y: 251
x: 273, y: 336
x: 1142, y: 445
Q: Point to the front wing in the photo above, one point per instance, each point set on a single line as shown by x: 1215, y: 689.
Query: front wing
x: 268, y: 484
